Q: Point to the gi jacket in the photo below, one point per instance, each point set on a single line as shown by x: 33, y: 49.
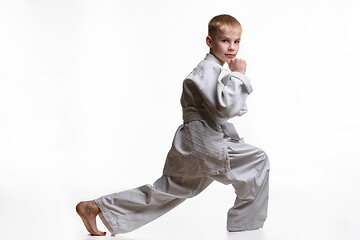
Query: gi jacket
x: 211, y: 95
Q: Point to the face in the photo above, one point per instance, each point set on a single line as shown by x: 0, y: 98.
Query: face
x: 225, y: 45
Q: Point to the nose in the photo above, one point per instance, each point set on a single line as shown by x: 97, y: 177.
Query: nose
x: 231, y: 47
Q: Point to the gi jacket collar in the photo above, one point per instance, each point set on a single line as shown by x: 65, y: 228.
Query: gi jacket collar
x: 212, y: 58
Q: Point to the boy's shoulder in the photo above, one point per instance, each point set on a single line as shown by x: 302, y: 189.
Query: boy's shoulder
x: 210, y: 61
x: 209, y: 66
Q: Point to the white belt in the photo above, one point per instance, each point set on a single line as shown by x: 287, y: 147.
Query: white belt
x: 218, y: 124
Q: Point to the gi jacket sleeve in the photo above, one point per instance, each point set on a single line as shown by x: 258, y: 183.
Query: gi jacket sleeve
x: 223, y: 93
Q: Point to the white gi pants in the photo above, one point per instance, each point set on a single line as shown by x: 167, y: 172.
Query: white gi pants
x: 128, y: 210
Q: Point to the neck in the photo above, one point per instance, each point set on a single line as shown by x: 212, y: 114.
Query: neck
x: 221, y: 61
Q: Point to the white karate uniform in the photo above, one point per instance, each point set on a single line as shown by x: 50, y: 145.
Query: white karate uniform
x: 205, y: 148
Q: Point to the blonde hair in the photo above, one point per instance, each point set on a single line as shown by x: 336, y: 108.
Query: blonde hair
x: 221, y: 22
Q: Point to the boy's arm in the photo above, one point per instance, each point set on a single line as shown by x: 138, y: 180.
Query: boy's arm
x: 244, y: 80
x: 238, y: 69
x: 230, y: 98
x: 223, y: 93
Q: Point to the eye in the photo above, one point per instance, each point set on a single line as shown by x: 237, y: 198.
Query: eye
x: 224, y: 40
x: 237, y: 42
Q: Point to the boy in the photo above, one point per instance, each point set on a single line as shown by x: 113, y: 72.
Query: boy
x: 205, y: 148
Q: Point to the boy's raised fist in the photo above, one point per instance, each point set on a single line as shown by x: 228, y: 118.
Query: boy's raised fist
x: 237, y: 65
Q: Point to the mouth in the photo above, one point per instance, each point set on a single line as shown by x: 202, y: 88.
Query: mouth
x: 230, y: 55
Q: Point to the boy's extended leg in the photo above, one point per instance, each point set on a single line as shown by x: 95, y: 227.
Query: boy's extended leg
x: 128, y: 210
x: 249, y: 173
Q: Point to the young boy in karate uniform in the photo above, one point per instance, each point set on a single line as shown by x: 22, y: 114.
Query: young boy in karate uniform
x: 205, y: 148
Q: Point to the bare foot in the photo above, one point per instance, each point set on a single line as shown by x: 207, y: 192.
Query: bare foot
x: 88, y: 211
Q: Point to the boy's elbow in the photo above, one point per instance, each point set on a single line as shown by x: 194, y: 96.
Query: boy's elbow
x: 227, y: 108
x: 227, y: 112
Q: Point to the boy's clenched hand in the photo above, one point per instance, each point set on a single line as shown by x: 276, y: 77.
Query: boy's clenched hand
x: 237, y: 65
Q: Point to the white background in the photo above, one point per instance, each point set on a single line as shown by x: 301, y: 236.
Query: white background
x: 89, y: 103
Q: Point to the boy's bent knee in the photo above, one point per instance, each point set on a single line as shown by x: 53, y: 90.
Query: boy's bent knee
x: 264, y: 158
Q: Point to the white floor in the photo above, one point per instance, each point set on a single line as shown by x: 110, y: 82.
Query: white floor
x: 294, y: 213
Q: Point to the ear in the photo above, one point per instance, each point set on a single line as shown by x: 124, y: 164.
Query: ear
x: 209, y: 41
